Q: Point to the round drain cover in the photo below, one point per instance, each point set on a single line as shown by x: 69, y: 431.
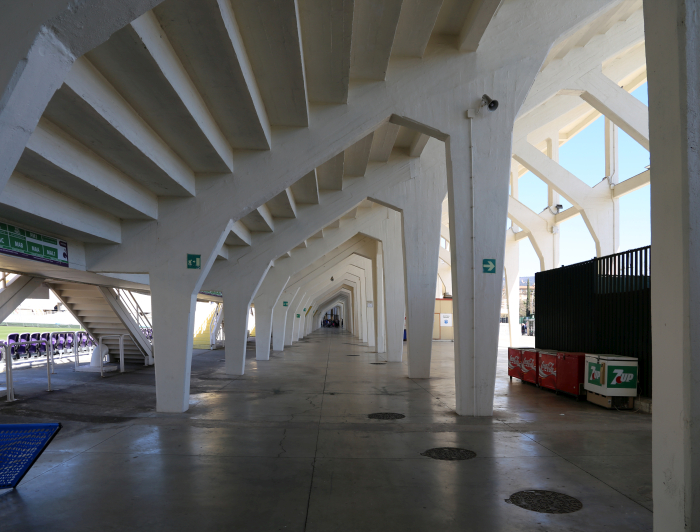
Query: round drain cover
x: 378, y: 363
x: 386, y: 415
x: 545, y: 502
x: 449, y: 453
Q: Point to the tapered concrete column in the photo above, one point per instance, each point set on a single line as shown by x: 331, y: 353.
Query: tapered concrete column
x: 238, y: 296
x: 289, y: 337
x: 279, y: 319
x: 173, y: 306
x: 612, y: 172
x: 265, y: 302
x: 263, y: 326
x: 672, y: 29
x: 421, y: 236
x: 512, y: 273
x: 395, y: 288
x: 378, y: 272
x: 478, y: 199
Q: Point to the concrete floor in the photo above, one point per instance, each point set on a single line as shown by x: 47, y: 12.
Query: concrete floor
x: 289, y: 447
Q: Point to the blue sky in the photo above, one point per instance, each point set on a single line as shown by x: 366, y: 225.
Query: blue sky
x: 584, y: 156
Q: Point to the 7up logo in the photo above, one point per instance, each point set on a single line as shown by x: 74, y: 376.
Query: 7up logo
x: 622, y: 377
x: 594, y: 373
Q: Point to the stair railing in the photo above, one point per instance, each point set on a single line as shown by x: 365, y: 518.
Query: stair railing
x: 136, y: 312
x: 216, y: 328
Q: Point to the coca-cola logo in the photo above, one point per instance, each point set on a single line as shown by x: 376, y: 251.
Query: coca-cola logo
x: 513, y: 362
x: 547, y: 369
x: 529, y: 363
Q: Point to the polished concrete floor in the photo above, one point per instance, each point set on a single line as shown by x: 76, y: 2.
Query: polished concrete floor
x: 289, y: 447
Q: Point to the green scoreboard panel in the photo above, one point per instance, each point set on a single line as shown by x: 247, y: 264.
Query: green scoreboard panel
x: 29, y: 245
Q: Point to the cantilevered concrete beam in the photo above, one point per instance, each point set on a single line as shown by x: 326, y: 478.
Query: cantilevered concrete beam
x: 357, y: 157
x: 330, y: 173
x: 373, y: 30
x: 306, y: 190
x: 273, y: 40
x: 383, y: 142
x: 283, y: 205
x: 89, y: 108
x: 141, y: 64
x: 326, y: 28
x: 260, y: 220
x: 35, y: 204
x: 54, y: 158
x: 239, y: 235
x: 415, y: 26
x: 206, y: 36
x: 480, y: 14
x: 558, y: 74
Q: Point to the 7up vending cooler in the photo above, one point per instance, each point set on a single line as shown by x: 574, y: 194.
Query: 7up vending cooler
x: 611, y: 381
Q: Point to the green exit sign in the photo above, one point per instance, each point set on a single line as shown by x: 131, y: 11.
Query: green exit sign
x: 489, y: 265
x: 194, y: 262
x: 298, y: 315
x: 285, y: 303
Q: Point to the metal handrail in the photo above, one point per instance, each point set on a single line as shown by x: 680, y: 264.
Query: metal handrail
x: 134, y: 309
x: 214, y: 327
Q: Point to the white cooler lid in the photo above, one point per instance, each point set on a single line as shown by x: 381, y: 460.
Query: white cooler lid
x: 613, y: 358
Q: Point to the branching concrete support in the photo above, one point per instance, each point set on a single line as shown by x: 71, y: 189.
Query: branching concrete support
x: 512, y: 273
x: 538, y: 228
x: 265, y: 302
x: 673, y: 33
x: 38, y: 72
x: 420, y: 202
x: 595, y: 204
x: 279, y: 319
x: 389, y: 232
x: 174, y: 289
x: 238, y: 296
x: 379, y: 311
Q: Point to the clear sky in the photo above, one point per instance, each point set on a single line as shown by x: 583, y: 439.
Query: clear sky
x: 584, y: 156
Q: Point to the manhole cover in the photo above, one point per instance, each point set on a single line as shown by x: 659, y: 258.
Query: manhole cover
x: 352, y: 355
x: 377, y: 363
x: 449, y: 453
x: 545, y: 502
x: 386, y: 415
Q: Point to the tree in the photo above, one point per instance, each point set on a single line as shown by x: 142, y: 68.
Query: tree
x: 528, y: 313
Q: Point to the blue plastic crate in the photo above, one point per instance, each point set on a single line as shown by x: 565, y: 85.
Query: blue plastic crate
x: 20, y: 446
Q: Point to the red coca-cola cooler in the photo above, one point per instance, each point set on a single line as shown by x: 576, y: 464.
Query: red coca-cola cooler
x: 515, y: 355
x: 547, y: 369
x: 529, y: 365
x: 571, y: 372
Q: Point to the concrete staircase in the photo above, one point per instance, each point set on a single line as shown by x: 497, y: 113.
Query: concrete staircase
x: 100, y: 313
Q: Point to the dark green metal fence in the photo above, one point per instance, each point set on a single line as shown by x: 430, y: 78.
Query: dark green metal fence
x: 599, y: 306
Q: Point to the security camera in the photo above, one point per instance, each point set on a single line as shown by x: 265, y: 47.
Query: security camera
x: 489, y: 103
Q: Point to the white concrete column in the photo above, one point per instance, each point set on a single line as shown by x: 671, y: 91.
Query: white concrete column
x: 378, y: 272
x: 279, y: 319
x: 289, y: 327
x: 512, y: 272
x: 478, y: 200
x: 612, y: 172
x: 421, y: 237
x: 173, y: 306
x: 395, y: 288
x: 553, y: 196
x: 263, y: 326
x: 672, y: 29
x: 238, y: 295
